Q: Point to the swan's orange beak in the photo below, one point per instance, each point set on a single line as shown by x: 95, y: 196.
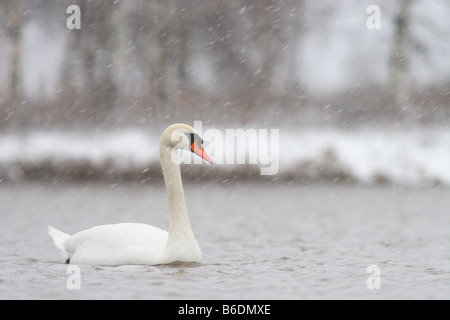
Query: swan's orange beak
x: 198, y: 150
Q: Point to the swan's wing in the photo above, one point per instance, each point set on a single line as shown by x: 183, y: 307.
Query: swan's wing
x: 59, y: 238
x: 117, y: 244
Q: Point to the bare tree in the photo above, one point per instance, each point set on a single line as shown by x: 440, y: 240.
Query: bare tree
x: 110, y: 60
x: 398, y: 80
x: 172, y: 41
x: 14, y: 26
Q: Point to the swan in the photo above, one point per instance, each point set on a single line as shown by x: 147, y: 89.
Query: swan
x: 137, y: 243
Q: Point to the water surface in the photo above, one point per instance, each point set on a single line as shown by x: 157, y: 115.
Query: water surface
x: 259, y: 241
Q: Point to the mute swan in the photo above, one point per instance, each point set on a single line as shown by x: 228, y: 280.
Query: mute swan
x: 141, y: 244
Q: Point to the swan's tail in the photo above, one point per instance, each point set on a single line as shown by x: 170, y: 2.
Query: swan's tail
x: 59, y: 238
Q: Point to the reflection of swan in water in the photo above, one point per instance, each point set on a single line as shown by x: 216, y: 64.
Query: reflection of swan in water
x: 136, y: 243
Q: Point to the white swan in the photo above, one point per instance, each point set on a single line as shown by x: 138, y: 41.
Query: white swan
x: 141, y: 244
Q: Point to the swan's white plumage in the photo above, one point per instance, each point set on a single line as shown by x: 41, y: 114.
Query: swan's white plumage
x: 136, y: 243
x: 59, y: 238
x: 117, y: 244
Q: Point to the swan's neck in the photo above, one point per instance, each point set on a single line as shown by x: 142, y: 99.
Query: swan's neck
x: 181, y: 243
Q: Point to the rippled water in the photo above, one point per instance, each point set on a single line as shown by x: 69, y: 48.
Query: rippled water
x: 259, y: 241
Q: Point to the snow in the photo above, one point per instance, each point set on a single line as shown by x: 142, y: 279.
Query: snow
x: 412, y: 158
x: 401, y: 157
x: 69, y: 152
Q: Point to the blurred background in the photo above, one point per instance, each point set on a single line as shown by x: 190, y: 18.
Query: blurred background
x: 352, y: 103
x: 361, y: 103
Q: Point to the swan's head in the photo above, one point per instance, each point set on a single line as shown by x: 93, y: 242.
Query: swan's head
x: 183, y: 136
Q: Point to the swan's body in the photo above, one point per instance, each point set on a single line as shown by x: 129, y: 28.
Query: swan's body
x: 136, y: 243
x: 113, y: 244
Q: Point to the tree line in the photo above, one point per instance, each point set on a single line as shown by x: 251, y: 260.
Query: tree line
x: 144, y: 62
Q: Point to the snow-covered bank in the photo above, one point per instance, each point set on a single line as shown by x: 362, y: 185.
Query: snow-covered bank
x: 47, y: 154
x: 416, y: 158
x: 419, y: 157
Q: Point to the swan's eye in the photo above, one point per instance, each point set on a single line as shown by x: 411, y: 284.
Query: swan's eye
x: 194, y: 137
x: 190, y: 136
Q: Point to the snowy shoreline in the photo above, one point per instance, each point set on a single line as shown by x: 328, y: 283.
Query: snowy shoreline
x: 411, y: 158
